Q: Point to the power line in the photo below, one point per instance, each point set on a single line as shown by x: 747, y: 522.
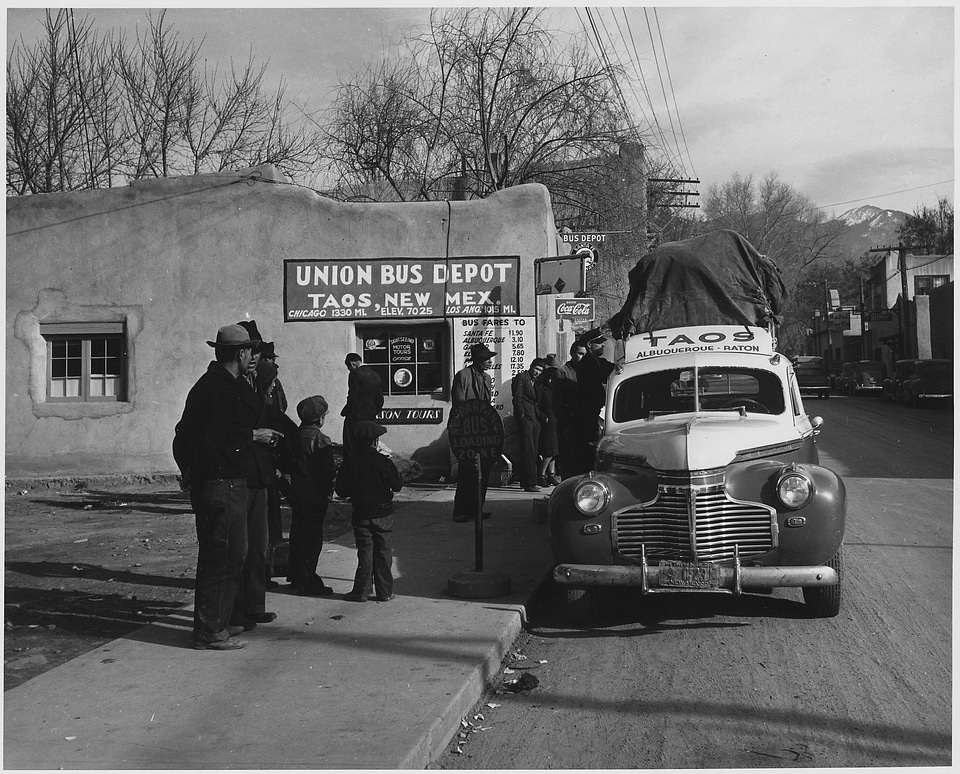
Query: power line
x: 877, y: 196
x: 663, y: 88
x: 673, y: 94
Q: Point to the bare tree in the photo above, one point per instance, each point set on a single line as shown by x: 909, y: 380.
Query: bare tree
x: 484, y: 100
x: 930, y: 228
x: 84, y: 112
x: 61, y: 110
x: 782, y: 224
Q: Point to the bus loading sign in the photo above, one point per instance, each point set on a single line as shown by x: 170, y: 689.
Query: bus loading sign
x: 385, y: 288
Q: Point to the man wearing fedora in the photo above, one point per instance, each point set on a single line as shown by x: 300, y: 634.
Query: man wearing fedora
x: 472, y: 383
x: 215, y: 448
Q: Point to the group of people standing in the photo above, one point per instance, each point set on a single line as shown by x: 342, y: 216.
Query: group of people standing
x: 239, y: 453
x: 556, y: 408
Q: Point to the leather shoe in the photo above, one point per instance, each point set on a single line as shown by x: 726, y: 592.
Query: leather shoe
x: 261, y: 617
x: 243, y: 625
x: 272, y: 584
x: 531, y: 489
x: 230, y: 644
x: 353, y: 596
x: 385, y: 599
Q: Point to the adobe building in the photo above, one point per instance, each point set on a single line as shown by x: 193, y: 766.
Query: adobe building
x: 112, y: 294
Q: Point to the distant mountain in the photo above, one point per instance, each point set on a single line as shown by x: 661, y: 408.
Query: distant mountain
x: 866, y: 227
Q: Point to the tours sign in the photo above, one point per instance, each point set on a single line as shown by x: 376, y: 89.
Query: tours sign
x: 386, y: 288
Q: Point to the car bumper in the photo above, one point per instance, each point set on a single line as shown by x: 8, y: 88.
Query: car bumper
x: 731, y: 579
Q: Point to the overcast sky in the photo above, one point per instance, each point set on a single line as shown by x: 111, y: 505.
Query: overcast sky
x: 851, y: 106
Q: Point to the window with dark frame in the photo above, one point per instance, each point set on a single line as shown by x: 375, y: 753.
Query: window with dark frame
x: 86, y: 362
x: 924, y: 284
x: 409, y: 360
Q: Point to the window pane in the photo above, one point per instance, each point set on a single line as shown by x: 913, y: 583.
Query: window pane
x: 384, y: 373
x: 72, y: 388
x: 428, y: 348
x: 375, y: 349
x: 402, y: 380
x: 402, y: 349
x: 429, y: 378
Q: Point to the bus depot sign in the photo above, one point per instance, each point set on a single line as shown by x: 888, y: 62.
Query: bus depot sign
x: 514, y: 339
x: 386, y: 288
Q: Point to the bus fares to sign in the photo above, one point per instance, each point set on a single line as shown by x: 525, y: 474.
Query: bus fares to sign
x: 321, y: 289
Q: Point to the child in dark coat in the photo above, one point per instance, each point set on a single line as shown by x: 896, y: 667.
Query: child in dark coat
x: 311, y: 485
x: 369, y: 479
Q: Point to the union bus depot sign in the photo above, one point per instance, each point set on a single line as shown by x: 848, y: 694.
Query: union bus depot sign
x: 386, y: 288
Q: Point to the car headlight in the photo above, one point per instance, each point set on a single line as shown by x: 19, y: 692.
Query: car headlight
x: 794, y: 488
x: 591, y: 497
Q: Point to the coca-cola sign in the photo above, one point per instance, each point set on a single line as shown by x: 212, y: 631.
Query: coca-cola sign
x: 575, y: 309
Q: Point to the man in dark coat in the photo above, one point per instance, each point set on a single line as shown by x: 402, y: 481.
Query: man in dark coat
x: 527, y: 412
x: 593, y: 371
x: 472, y: 383
x: 364, y: 400
x: 565, y: 407
x: 219, y: 450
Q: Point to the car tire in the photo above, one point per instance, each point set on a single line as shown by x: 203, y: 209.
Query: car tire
x: 579, y: 605
x: 824, y: 601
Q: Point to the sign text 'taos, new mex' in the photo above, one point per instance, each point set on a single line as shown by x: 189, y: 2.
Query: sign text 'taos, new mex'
x: 383, y: 288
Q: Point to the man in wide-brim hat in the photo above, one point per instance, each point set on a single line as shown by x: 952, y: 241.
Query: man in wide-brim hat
x: 472, y: 383
x: 214, y: 447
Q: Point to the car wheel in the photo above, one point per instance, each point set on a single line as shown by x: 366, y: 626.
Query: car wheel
x: 579, y: 605
x: 824, y: 601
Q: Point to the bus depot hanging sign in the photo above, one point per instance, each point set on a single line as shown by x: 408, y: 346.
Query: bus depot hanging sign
x: 387, y: 288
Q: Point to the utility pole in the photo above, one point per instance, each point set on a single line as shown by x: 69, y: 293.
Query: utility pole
x: 905, y: 346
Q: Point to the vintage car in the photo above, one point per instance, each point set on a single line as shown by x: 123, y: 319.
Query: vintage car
x: 929, y: 380
x: 706, y: 479
x: 812, y: 376
x: 863, y: 377
x: 892, y: 387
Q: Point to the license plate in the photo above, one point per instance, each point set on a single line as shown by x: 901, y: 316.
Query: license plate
x: 690, y: 575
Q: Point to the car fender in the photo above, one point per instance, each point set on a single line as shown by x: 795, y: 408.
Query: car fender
x: 810, y: 534
x: 582, y: 538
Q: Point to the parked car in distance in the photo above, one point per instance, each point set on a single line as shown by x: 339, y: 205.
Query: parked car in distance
x: 893, y: 384
x: 863, y: 377
x: 812, y: 376
x: 929, y: 380
x: 833, y: 369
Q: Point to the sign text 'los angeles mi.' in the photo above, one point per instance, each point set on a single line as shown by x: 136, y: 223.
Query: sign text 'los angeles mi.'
x: 331, y: 289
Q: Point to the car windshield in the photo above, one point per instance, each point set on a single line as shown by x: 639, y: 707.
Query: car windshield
x: 691, y: 389
x: 933, y: 369
x: 813, y: 365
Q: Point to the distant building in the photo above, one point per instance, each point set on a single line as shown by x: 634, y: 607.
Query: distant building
x: 880, y: 331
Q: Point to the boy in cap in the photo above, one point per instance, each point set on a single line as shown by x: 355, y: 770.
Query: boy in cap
x: 311, y: 485
x: 369, y: 479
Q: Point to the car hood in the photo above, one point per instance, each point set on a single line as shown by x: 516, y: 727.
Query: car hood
x: 698, y: 441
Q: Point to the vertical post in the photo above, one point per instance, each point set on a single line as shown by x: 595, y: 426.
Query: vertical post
x: 907, y: 345
x: 478, y: 522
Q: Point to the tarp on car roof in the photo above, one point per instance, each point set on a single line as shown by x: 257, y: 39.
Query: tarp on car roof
x: 715, y: 279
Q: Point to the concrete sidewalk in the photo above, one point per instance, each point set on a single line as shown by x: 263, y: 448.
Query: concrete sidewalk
x: 330, y: 684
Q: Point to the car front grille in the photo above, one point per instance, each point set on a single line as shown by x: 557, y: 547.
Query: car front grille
x: 692, y: 519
